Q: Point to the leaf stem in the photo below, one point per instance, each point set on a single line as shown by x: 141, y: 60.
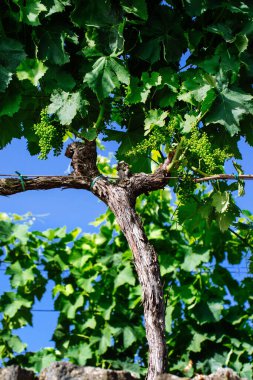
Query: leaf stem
x: 100, y: 117
x: 245, y: 241
x: 176, y: 155
x: 199, y: 171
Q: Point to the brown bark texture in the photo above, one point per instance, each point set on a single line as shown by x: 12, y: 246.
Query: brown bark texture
x: 120, y: 197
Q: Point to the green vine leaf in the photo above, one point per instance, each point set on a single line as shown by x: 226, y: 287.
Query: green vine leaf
x: 231, y: 106
x: 136, y: 7
x: 221, y: 201
x: 154, y: 118
x: 30, y: 12
x: 52, y: 46
x: 66, y: 105
x: 139, y: 91
x: 32, y: 70
x: 19, y: 275
x: 125, y: 276
x: 95, y: 13
x: 128, y: 337
x: 11, y: 54
x: 107, y: 74
x: 80, y: 353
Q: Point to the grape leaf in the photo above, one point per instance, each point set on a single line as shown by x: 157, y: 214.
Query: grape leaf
x: 125, y: 276
x: 136, y: 7
x: 15, y: 343
x: 19, y: 275
x: 10, y: 103
x: 221, y: 201
x: 9, y: 46
x: 107, y: 74
x: 154, y: 117
x: 57, y: 78
x: 43, y: 358
x: 193, y: 260
x: 169, y: 78
x: 80, y: 353
x: 225, y: 220
x: 195, y: 88
x: 52, y: 46
x: 9, y: 129
x: 31, y: 69
x: 5, y: 78
x: 11, y: 54
x: 128, y: 336
x: 188, y: 123
x: 13, y: 302
x: 66, y: 105
x: 68, y: 307
x: 138, y: 91
x: 197, y: 339
x: 59, y: 6
x: 89, y: 133
x: 93, y: 13
x: 230, y: 107
x: 106, y: 340
x: 31, y: 10
x: 241, y: 42
x: 223, y: 30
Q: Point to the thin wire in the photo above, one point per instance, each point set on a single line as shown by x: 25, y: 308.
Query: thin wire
x: 197, y: 179
x: 45, y: 311
x: 29, y: 175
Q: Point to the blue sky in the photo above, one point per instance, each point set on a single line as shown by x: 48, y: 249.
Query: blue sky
x: 73, y: 208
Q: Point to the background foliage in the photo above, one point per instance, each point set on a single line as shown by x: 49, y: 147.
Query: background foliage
x: 95, y: 290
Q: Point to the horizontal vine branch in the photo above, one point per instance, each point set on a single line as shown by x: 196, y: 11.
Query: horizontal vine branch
x: 140, y: 182
x: 225, y: 177
x: 11, y: 186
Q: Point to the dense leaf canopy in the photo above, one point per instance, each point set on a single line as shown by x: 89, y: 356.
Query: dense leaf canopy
x: 93, y: 63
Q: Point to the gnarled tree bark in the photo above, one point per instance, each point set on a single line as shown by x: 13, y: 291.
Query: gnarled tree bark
x: 120, y: 197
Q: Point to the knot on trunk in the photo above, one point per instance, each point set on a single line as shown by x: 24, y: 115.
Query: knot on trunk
x: 83, y: 157
x: 123, y: 173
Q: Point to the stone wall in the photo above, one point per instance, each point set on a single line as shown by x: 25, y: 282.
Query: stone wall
x: 68, y: 371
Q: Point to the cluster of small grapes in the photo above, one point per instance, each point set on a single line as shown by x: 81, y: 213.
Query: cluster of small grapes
x: 50, y: 135
x: 185, y: 188
x: 203, y: 154
x: 157, y: 137
x: 201, y: 157
x: 153, y: 142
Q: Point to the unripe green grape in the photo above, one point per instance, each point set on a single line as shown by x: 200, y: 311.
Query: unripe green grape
x: 50, y: 136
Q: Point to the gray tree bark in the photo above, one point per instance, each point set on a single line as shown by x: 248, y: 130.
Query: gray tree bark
x: 148, y: 271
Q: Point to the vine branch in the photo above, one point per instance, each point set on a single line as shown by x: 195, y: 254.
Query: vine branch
x: 141, y: 182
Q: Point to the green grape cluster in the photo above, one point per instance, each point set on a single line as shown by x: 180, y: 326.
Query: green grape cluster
x: 153, y: 142
x: 203, y: 155
x: 157, y: 137
x: 50, y: 136
x: 186, y: 187
x: 200, y: 157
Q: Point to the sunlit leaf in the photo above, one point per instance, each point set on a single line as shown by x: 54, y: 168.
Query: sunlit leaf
x: 66, y: 105
x: 32, y: 70
x: 230, y: 108
x: 107, y: 74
